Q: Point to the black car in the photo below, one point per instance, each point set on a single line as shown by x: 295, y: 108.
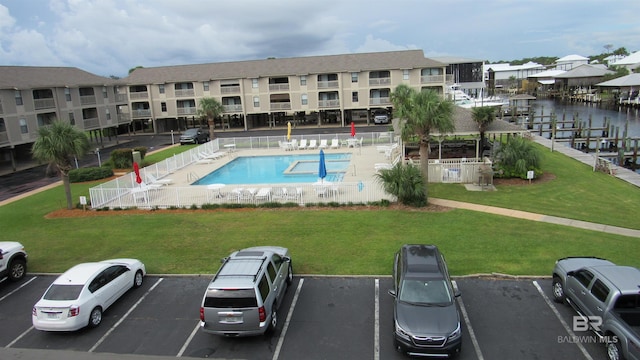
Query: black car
x: 194, y: 136
x: 426, y: 318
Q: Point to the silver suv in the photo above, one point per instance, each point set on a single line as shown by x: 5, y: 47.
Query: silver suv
x: 244, y: 295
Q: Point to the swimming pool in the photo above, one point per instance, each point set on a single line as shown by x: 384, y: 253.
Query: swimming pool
x: 277, y: 169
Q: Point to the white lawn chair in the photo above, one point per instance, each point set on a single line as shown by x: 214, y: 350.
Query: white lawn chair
x: 263, y: 194
x: 335, y: 143
x: 312, y: 144
x: 323, y: 144
x: 152, y: 180
x: 303, y: 144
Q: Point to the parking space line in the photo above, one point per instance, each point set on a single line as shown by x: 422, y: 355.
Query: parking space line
x: 20, y: 287
x: 186, y: 343
x: 564, y: 323
x: 276, y: 353
x: 376, y: 325
x: 125, y: 316
x: 472, y: 334
x: 19, y: 337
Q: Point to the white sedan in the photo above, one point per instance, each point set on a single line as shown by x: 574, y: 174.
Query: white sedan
x: 78, y: 297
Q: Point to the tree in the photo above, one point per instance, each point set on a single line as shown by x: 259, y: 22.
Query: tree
x: 517, y: 156
x: 483, y: 116
x: 58, y: 143
x: 404, y: 182
x: 210, y: 108
x: 422, y: 112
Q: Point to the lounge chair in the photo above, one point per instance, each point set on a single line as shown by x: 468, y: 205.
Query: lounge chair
x: 323, y: 144
x: 312, y: 144
x: 291, y: 193
x: 335, y: 143
x: 303, y: 144
x: 294, y: 144
x: 213, y: 155
x: 200, y: 160
x: 152, y: 180
x: 263, y: 194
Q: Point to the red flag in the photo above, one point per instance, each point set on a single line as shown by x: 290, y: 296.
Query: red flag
x: 136, y: 169
x: 353, y: 129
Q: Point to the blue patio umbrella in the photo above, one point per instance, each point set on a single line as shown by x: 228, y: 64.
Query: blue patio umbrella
x: 322, y: 167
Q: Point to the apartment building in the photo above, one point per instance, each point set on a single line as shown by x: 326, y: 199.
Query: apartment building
x: 31, y: 97
x: 316, y: 90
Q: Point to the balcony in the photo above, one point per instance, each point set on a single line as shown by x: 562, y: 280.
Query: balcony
x: 123, y: 118
x: 328, y: 84
x: 278, y: 87
x: 40, y: 104
x: 232, y: 108
x: 90, y: 123
x: 380, y: 81
x: 230, y: 89
x: 88, y: 100
x: 1, y: 111
x: 188, y: 110
x: 432, y: 79
x: 280, y: 105
x: 380, y: 101
x: 121, y: 98
x: 185, y: 92
x: 328, y: 103
x: 141, y: 113
x: 139, y: 95
x: 4, y: 138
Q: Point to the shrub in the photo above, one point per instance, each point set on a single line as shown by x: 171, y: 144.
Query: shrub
x: 406, y: 183
x: 89, y: 174
x: 123, y: 158
x: 516, y: 157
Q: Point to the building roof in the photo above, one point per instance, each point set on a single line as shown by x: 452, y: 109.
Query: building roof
x: 623, y: 81
x: 508, y: 67
x: 585, y: 70
x: 409, y: 59
x: 547, y: 74
x: 465, y: 125
x: 455, y: 60
x: 629, y: 60
x: 33, y: 77
x: 571, y: 58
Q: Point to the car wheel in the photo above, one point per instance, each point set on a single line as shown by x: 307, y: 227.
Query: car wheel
x: 558, y: 290
x: 613, y: 351
x: 290, y: 274
x: 95, y: 318
x: 17, y: 269
x: 137, y: 279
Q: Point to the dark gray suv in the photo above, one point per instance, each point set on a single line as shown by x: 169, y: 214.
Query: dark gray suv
x: 194, y: 136
x: 426, y: 318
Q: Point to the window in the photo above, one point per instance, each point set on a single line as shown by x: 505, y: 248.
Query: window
x: 264, y: 288
x: 228, y: 298
x: 303, y: 80
x: 354, y: 77
x: 3, y: 128
x: 600, y: 290
x: 304, y: 99
x: 256, y: 101
x: 405, y: 74
x: 108, y: 114
x: 72, y: 119
x: 161, y: 88
x: 354, y: 96
x: 104, y: 93
x: 584, y: 277
x: 18, y: 97
x: 67, y: 94
x: 205, y: 86
x: 163, y: 105
x: 272, y: 272
x: 24, y: 129
x: 254, y: 83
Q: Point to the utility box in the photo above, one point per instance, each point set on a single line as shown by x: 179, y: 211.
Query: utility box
x: 137, y: 158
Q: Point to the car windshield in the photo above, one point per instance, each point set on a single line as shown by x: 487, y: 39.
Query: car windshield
x: 231, y: 298
x: 191, y: 132
x: 430, y: 292
x: 63, y: 292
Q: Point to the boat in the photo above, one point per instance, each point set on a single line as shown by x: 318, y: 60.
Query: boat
x: 462, y: 99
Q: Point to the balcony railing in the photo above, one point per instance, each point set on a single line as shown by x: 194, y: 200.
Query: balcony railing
x: 40, y: 104
x: 1, y: 111
x: 4, y: 137
x: 232, y: 108
x: 278, y: 87
x: 91, y: 123
x: 230, y: 89
x: 121, y: 98
x: 380, y: 101
x: 88, y: 100
x: 327, y: 84
x: 124, y: 118
x: 187, y: 110
x: 139, y: 95
x: 431, y: 79
x: 380, y: 81
x: 281, y: 106
x: 328, y: 103
x: 141, y: 113
x: 185, y: 92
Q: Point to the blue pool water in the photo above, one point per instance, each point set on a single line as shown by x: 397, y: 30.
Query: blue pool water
x: 278, y: 169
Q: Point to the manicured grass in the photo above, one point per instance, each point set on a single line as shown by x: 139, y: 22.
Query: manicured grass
x: 342, y: 241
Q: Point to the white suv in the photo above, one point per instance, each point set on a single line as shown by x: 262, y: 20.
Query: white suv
x: 13, y: 260
x: 244, y: 295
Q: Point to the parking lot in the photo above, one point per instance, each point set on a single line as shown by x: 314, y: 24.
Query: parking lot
x: 322, y: 318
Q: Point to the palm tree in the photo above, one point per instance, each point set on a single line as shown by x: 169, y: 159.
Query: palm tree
x: 422, y: 112
x: 211, y: 109
x: 483, y: 116
x: 405, y: 182
x: 517, y: 156
x: 58, y: 143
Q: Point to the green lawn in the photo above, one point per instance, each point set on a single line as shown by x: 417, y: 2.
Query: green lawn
x: 342, y: 241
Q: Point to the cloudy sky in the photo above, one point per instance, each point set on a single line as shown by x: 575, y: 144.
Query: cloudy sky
x: 109, y: 37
